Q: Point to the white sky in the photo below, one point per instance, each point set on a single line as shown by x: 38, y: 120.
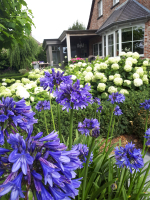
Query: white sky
x: 52, y: 17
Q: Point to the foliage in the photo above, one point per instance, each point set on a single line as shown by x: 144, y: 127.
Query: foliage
x: 41, y: 54
x: 77, y: 26
x: 4, y: 62
x: 21, y: 57
x: 23, y: 71
x: 15, y: 23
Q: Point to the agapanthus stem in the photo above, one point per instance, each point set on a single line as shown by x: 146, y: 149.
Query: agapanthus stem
x: 95, y: 109
x: 113, y: 125
x: 59, y: 127
x: 71, y: 127
x: 86, y: 168
x: 99, y: 117
x: 52, y: 112
x: 122, y: 180
x: 45, y: 123
x: 131, y: 183
x: 109, y: 128
x: 143, y: 182
x: 147, y: 111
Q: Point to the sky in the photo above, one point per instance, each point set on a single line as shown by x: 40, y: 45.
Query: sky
x: 52, y: 17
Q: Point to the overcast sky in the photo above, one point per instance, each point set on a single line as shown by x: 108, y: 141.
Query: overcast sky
x: 52, y: 17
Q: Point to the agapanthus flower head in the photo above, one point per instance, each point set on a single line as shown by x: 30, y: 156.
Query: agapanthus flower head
x: 69, y: 95
x: 97, y: 101
x: 43, y: 105
x: 145, y: 105
x: 100, y: 108
x: 116, y: 98
x: 129, y: 157
x: 117, y: 111
x: 41, y: 163
x: 54, y: 79
x: 147, y: 136
x: 16, y: 114
x: 89, y: 127
x: 83, y: 150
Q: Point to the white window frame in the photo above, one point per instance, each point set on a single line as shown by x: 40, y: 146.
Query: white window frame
x: 98, y: 48
x: 120, y: 38
x: 100, y: 8
x: 115, y: 2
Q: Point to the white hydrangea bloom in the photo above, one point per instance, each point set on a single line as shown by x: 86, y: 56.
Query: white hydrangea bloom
x: 51, y: 95
x: 88, y: 77
x: 28, y: 86
x: 103, y: 80
x: 128, y: 68
x: 5, y: 93
x: 118, y: 81
x: 128, y: 62
x: 73, y: 77
x: 101, y: 87
x: 71, y: 65
x: 22, y: 93
x: 4, y: 79
x: 138, y: 82
x: 140, y: 71
x: 111, y: 77
x: 103, y: 66
x: 129, y: 54
x: 37, y: 71
x: 117, y: 76
x: 89, y: 84
x: 128, y: 82
x: 84, y: 64
x: 81, y: 86
x: 135, y: 75
x: 84, y: 73
x: 115, y: 66
x: 107, y: 62
x: 89, y: 69
x: 94, y: 79
x: 123, y: 91
x: 4, y: 84
x: 113, y: 60
x: 122, y: 53
x: 25, y: 80
x: 99, y: 75
x: 112, y: 89
x: 145, y: 63
x: 145, y: 79
x: 135, y: 55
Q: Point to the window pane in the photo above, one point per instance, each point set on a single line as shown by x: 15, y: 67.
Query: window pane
x: 95, y: 49
x: 127, y: 45
x: 54, y: 54
x: 138, y: 33
x: 99, y: 8
x: 100, y: 49
x: 117, y: 36
x: 52, y: 48
x: 104, y: 51
x: 138, y: 46
x: 117, y: 49
x: 126, y: 34
x: 110, y: 39
x: 111, y: 51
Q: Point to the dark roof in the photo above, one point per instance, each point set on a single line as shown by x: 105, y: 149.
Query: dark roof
x: 92, y: 7
x: 129, y: 11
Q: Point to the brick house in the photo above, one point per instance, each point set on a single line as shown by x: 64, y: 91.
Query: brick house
x: 113, y: 26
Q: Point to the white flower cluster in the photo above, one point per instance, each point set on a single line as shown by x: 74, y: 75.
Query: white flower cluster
x: 88, y: 76
x: 145, y: 79
x: 128, y: 68
x: 128, y: 82
x: 112, y: 89
x: 22, y: 93
x: 111, y: 77
x: 115, y: 66
x: 73, y: 77
x: 124, y: 91
x: 118, y: 81
x: 89, y: 69
x: 145, y: 63
x: 101, y: 87
x: 112, y: 60
x: 138, y: 82
x: 103, y: 66
x: 140, y: 71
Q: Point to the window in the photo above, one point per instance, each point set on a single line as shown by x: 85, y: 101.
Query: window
x: 97, y: 49
x: 56, y: 54
x: 100, y: 8
x: 115, y: 2
x: 130, y: 39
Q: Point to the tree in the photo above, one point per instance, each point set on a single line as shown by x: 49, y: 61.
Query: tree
x: 15, y: 22
x: 77, y: 26
x: 21, y: 57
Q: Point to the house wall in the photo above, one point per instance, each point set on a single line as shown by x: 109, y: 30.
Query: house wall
x: 147, y: 40
x: 107, y: 11
x: 94, y: 40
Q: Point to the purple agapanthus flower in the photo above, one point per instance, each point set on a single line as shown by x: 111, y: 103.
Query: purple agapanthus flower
x: 42, y: 163
x: 43, y: 105
x: 68, y: 95
x: 147, y: 136
x: 129, y: 157
x: 145, y: 104
x: 117, y: 111
x: 84, y: 150
x: 15, y: 114
x: 54, y: 79
x: 89, y: 127
x: 97, y: 101
x: 100, y: 108
x: 116, y: 98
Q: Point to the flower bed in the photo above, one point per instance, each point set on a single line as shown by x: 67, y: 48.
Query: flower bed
x: 45, y: 165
